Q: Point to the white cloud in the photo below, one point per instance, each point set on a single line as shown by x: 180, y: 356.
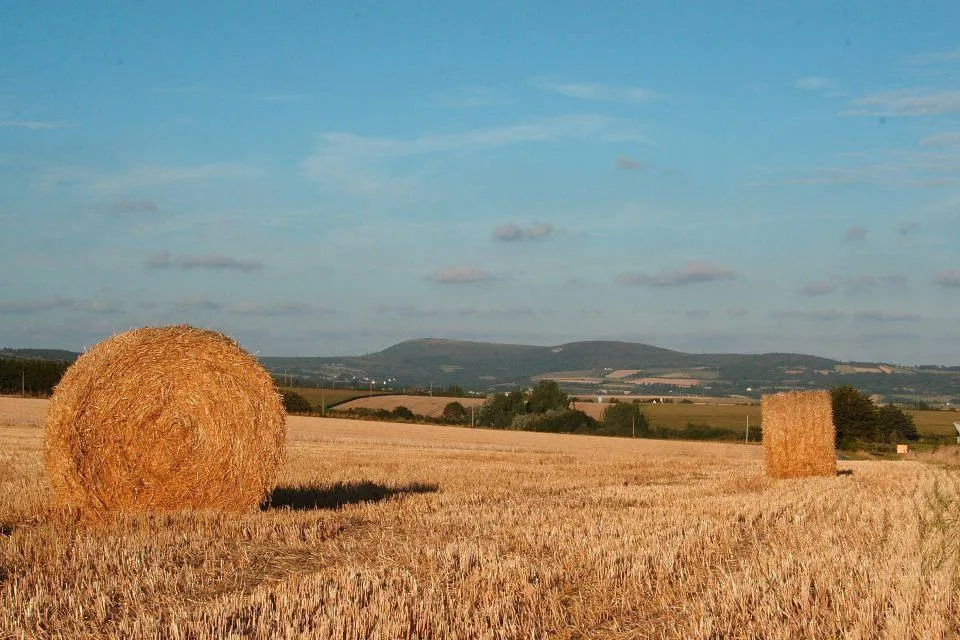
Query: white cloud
x: 893, y: 315
x: 628, y: 164
x: 150, y: 176
x: 689, y: 273
x: 906, y: 102
x: 198, y: 302
x: 947, y: 278
x: 163, y: 260
x: 938, y: 57
x: 469, y: 98
x: 941, y: 140
x: 278, y: 309
x: 460, y: 275
x: 27, y: 307
x: 856, y: 235
x: 598, y: 92
x: 817, y: 315
x: 738, y: 312
x: 35, y: 125
x: 818, y: 288
x: 811, y: 83
x: 359, y: 165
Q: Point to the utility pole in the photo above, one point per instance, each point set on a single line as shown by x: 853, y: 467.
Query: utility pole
x: 323, y: 402
x: 371, y: 389
x: 634, y: 426
x: 471, y: 416
x: 431, y: 389
x: 23, y: 383
x: 746, y: 439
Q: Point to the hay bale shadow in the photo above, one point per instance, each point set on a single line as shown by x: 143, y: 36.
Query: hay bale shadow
x: 7, y: 529
x: 333, y: 496
x: 845, y: 472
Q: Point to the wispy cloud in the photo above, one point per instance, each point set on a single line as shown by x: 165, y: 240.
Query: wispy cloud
x: 906, y: 102
x: 130, y: 205
x: 818, y: 288
x: 513, y: 232
x: 198, y: 302
x: 949, y: 278
x: 937, y: 57
x: 460, y: 275
x: 941, y: 140
x: 907, y: 227
x: 35, y: 125
x: 737, y: 312
x: 689, y: 273
x: 27, y: 307
x: 811, y: 83
x: 148, y: 176
x: 355, y: 164
x: 405, y: 310
x: 163, y: 260
x: 628, y: 164
x: 817, y: 315
x: 697, y: 313
x: 281, y: 97
x: 277, y: 309
x: 855, y: 235
x: 469, y: 98
x: 893, y: 315
x: 598, y: 92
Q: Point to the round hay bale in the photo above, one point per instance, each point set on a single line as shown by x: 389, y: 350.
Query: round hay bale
x: 164, y: 419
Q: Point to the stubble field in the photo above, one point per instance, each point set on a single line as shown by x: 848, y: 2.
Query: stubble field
x: 382, y: 530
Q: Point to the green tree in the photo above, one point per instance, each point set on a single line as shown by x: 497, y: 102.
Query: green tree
x: 403, y: 413
x: 555, y: 421
x: 895, y: 423
x: 623, y: 418
x: 854, y: 414
x: 293, y: 402
x: 455, y: 413
x: 499, y: 409
x: 547, y: 396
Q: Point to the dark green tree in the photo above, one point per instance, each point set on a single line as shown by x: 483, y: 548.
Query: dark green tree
x: 499, y: 409
x: 403, y: 413
x: 293, y: 402
x: 893, y: 423
x: 547, y: 396
x: 854, y: 414
x: 455, y: 413
x: 623, y: 418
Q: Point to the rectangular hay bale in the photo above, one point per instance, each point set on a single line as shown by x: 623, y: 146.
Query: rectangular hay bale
x: 798, y: 434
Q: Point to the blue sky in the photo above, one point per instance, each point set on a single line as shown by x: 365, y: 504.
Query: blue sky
x: 767, y: 176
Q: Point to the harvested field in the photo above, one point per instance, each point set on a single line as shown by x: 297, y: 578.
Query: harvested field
x: 330, y: 397
x: 431, y: 406
x: 386, y: 531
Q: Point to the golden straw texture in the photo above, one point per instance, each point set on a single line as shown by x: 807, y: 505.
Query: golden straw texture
x: 163, y: 419
x: 798, y: 434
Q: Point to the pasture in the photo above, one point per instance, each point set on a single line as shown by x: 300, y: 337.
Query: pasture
x: 381, y: 530
x: 331, y: 397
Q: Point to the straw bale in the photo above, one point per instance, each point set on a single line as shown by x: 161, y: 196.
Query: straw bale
x: 164, y: 419
x: 798, y: 434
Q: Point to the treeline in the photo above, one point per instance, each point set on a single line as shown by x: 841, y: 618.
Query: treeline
x: 858, y: 421
x: 33, y: 377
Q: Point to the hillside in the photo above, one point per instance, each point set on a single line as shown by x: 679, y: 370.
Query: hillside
x: 615, y: 367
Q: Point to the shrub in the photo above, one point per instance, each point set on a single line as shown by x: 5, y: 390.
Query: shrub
x: 293, y: 402
x: 455, y: 413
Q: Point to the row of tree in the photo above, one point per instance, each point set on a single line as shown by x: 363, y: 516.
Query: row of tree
x: 857, y: 419
x: 34, y: 377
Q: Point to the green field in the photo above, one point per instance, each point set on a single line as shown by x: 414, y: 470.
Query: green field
x: 331, y: 397
x: 676, y: 416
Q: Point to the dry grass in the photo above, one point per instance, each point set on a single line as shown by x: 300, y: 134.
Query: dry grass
x: 798, y: 434
x: 431, y: 406
x: 409, y: 531
x: 164, y: 418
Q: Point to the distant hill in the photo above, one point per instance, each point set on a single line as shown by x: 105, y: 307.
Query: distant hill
x: 59, y: 355
x: 614, y: 367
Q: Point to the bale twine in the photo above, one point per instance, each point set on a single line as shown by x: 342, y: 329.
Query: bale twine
x: 164, y: 419
x: 798, y: 434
